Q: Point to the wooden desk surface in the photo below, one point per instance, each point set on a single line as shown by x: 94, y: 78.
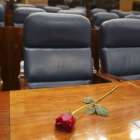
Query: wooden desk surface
x: 33, y: 112
x: 4, y: 116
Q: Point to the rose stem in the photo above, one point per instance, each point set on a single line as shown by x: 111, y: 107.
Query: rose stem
x: 95, y: 101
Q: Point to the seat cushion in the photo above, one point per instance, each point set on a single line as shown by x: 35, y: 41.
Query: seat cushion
x: 121, y: 61
x: 51, y: 66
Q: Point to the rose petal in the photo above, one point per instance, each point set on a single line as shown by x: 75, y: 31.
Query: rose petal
x: 65, y: 122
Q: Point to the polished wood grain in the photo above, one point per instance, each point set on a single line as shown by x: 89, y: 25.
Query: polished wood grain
x: 16, y: 55
x: 106, y: 77
x: 33, y: 112
x: 4, y: 116
x: 22, y: 81
x: 4, y: 57
x: 11, y: 53
x: 9, y: 17
x: 1, y: 84
x: 126, y: 5
x: 38, y: 2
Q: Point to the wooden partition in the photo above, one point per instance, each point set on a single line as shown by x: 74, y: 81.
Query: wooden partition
x: 9, y: 18
x: 126, y: 5
x: 11, y: 53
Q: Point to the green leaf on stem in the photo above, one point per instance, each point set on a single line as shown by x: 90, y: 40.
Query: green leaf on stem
x: 91, y: 110
x: 101, y: 110
x: 87, y: 100
x: 67, y: 111
x: 93, y: 100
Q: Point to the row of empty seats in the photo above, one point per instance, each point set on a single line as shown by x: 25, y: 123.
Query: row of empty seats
x: 100, y: 15
x: 63, y: 58
x: 120, y: 13
x: 21, y: 11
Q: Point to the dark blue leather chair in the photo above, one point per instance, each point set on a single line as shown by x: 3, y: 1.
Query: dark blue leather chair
x: 21, y: 13
x: 2, y: 17
x: 82, y: 8
x: 101, y: 17
x: 41, y: 6
x: 135, y: 12
x: 95, y: 11
x: 17, y: 5
x: 4, y: 5
x: 119, y: 48
x: 116, y: 11
x: 73, y: 11
x: 64, y: 7
x: 57, y: 50
x: 133, y: 16
x: 123, y: 14
x: 51, y: 9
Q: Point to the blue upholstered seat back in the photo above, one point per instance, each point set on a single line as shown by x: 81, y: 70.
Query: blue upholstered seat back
x: 120, y: 47
x: 57, y: 50
x: 2, y: 16
x: 21, y: 13
x: 96, y: 10
x: 101, y: 17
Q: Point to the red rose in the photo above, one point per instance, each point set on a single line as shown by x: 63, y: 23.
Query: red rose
x: 65, y: 122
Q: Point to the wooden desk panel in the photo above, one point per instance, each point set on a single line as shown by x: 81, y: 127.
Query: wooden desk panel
x: 37, y: 2
x: 9, y: 17
x: 33, y: 112
x: 4, y: 116
x: 11, y: 53
x: 127, y: 5
x: 16, y: 55
x: 4, y: 57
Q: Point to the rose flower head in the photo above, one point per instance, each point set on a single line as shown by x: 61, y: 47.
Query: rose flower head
x: 65, y: 122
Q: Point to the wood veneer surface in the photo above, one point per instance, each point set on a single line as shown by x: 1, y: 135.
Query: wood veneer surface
x: 4, y: 116
x: 33, y: 112
x: 126, y: 5
x: 11, y: 53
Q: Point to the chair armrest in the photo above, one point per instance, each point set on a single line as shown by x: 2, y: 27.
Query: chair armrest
x: 1, y: 84
x: 109, y: 75
x: 116, y: 77
x: 21, y: 78
x: 105, y: 76
x: 22, y: 81
x: 100, y: 75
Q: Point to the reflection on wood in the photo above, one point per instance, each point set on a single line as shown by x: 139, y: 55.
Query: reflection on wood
x: 4, y: 116
x: 33, y: 112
